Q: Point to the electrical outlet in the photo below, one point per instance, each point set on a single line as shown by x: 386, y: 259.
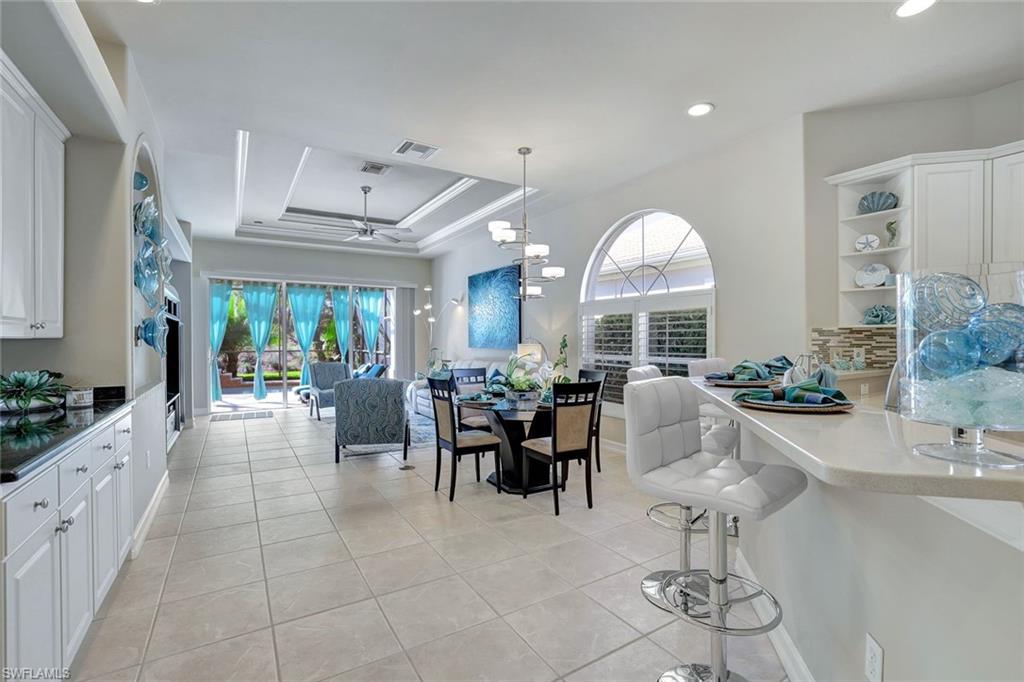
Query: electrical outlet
x: 873, y: 659
x: 147, y: 459
x: 859, y: 354
x: 865, y: 389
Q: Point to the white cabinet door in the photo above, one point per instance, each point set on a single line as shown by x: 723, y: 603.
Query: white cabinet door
x: 1008, y: 208
x: 49, y: 233
x: 32, y: 594
x: 123, y: 486
x: 949, y: 214
x: 16, y: 221
x: 104, y: 530
x: 75, y: 571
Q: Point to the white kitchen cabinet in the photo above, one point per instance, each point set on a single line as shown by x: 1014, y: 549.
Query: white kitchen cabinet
x: 31, y: 211
x: 32, y: 593
x: 105, y: 547
x: 949, y: 214
x: 76, y: 593
x: 123, y: 488
x: 1008, y: 208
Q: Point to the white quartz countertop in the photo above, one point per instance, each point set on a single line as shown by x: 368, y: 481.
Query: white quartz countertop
x: 870, y: 449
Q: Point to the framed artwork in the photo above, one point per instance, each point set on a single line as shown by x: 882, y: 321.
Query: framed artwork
x: 494, y: 310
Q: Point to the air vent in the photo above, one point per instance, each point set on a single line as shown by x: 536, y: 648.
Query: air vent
x: 374, y: 168
x: 416, y: 150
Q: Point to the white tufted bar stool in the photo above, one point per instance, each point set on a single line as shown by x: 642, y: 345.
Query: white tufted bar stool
x: 665, y: 458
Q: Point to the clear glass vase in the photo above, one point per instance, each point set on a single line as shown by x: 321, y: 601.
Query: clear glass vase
x: 961, y: 357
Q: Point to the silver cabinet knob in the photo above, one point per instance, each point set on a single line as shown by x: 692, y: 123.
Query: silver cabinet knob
x: 82, y: 469
x: 65, y: 525
x: 41, y: 504
x: 119, y: 466
x: 70, y: 521
x: 33, y: 325
x: 108, y: 446
x: 126, y: 429
x: 42, y: 325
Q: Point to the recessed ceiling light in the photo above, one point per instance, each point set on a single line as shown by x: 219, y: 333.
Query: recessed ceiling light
x: 912, y: 7
x: 705, y: 108
x: 147, y: 2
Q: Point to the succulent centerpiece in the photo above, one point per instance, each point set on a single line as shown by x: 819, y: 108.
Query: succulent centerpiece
x: 32, y: 391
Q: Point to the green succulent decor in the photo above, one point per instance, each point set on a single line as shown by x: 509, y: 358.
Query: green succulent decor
x: 19, y: 390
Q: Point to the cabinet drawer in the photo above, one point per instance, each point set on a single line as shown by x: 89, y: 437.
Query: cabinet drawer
x: 123, y: 432
x: 102, y: 446
x: 74, y: 471
x: 29, y: 507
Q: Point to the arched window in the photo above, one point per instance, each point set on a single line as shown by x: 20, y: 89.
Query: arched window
x: 647, y: 298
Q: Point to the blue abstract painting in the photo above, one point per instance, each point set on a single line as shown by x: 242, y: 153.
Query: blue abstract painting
x: 494, y: 308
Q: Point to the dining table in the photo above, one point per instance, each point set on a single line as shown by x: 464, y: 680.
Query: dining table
x: 513, y: 424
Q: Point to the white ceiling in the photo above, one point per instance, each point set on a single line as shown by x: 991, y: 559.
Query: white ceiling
x: 599, y: 90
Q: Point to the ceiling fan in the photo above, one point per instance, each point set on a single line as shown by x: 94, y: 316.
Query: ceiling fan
x: 367, y: 232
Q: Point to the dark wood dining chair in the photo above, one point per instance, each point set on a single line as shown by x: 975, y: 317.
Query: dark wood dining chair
x: 458, y: 443
x: 468, y: 377
x: 596, y: 375
x: 572, y: 428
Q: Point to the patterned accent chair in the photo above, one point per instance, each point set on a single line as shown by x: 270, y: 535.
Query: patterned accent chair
x: 322, y: 377
x: 370, y: 413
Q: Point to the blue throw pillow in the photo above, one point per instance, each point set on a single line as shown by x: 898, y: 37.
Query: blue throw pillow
x: 496, y: 377
x: 361, y: 370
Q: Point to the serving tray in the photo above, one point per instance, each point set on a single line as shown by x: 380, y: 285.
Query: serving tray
x: 780, y: 406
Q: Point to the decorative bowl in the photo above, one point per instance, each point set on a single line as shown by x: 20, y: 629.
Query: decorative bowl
x: 873, y: 202
x: 867, y: 242
x: 871, y: 275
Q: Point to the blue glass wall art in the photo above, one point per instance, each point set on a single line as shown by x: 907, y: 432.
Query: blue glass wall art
x: 146, y: 269
x: 494, y: 308
x: 140, y: 182
x: 153, y: 332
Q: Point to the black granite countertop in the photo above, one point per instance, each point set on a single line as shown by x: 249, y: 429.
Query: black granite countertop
x: 29, y: 441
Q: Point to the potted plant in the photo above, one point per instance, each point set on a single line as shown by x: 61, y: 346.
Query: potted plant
x: 521, y: 385
x: 32, y: 391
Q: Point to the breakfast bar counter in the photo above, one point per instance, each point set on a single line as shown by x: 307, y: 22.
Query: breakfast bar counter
x: 870, y: 448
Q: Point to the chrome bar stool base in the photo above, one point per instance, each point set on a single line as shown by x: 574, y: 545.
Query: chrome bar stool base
x: 692, y: 605
x: 696, y: 672
x: 679, y: 518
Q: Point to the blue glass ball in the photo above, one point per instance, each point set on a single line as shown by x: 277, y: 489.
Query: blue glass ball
x: 945, y: 300
x: 999, y: 330
x: 949, y: 352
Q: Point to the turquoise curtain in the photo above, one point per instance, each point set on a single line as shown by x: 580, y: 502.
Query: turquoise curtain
x: 371, y: 309
x: 260, y: 303
x: 306, y: 304
x: 342, y: 320
x: 220, y: 300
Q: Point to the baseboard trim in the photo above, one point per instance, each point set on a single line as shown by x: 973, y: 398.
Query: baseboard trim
x: 142, y: 529
x: 613, y: 445
x: 792, y: 662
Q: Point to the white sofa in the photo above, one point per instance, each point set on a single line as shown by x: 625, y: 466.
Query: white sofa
x: 417, y: 394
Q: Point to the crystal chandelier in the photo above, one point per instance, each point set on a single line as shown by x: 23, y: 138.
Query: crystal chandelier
x: 532, y: 255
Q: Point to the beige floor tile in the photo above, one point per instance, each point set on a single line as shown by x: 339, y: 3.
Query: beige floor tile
x: 553, y: 628
x: 516, y: 583
x: 397, y: 569
x: 378, y: 537
x: 172, y: 504
x: 113, y: 643
x: 641, y: 661
x: 333, y: 642
x: 154, y: 554
x: 273, y: 464
x: 218, y: 517
x: 752, y: 657
x: 394, y: 668
x: 215, y: 541
x: 298, y: 555
x: 132, y: 590
x: 535, y: 532
x: 637, y: 541
x: 472, y: 550
x: 401, y: 487
x: 269, y: 451
x: 212, y: 471
x: 490, y: 651
x: 164, y: 525
x: 583, y: 561
x: 227, y: 457
x: 589, y: 521
x: 219, y: 498
x: 248, y: 658
x: 426, y: 612
x: 123, y: 675
x: 353, y: 496
x: 497, y: 509
x: 289, y: 471
x: 283, y: 506
x: 295, y: 526
x: 296, y: 486
x: 208, y: 618
x: 440, y: 522
x: 299, y: 594
x: 620, y: 594
x: 210, y: 574
x: 203, y: 485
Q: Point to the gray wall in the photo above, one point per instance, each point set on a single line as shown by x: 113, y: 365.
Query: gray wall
x: 272, y: 261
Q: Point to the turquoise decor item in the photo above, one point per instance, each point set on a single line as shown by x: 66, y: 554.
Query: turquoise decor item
x: 873, y: 202
x: 371, y: 310
x: 146, y: 220
x: 880, y: 314
x: 153, y: 332
x: 342, y: 320
x: 306, y: 303
x: 950, y: 352
x: 260, y: 303
x: 999, y: 331
x: 146, y: 272
x: 892, y: 228
x: 32, y: 391
x: 945, y: 300
x: 140, y: 182
x: 220, y: 300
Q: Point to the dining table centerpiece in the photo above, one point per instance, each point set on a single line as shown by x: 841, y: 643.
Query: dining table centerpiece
x: 32, y: 391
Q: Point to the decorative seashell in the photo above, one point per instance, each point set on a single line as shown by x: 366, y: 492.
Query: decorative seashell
x: 872, y: 202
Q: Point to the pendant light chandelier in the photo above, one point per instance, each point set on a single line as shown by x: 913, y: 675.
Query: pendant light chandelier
x: 531, y: 255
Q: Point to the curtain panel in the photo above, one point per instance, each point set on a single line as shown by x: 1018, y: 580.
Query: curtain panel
x: 306, y: 303
x: 342, y: 320
x: 371, y: 310
x: 260, y: 304
x: 220, y: 300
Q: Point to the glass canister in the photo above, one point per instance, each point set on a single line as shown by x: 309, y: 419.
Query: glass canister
x: 961, y: 357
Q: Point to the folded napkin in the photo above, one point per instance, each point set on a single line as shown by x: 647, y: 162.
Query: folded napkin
x: 808, y: 392
x: 745, y: 371
x: 778, y: 365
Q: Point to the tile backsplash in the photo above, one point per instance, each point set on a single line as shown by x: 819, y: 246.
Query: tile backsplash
x: 878, y: 344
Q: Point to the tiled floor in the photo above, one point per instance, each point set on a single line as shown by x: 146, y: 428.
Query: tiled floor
x: 269, y: 561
